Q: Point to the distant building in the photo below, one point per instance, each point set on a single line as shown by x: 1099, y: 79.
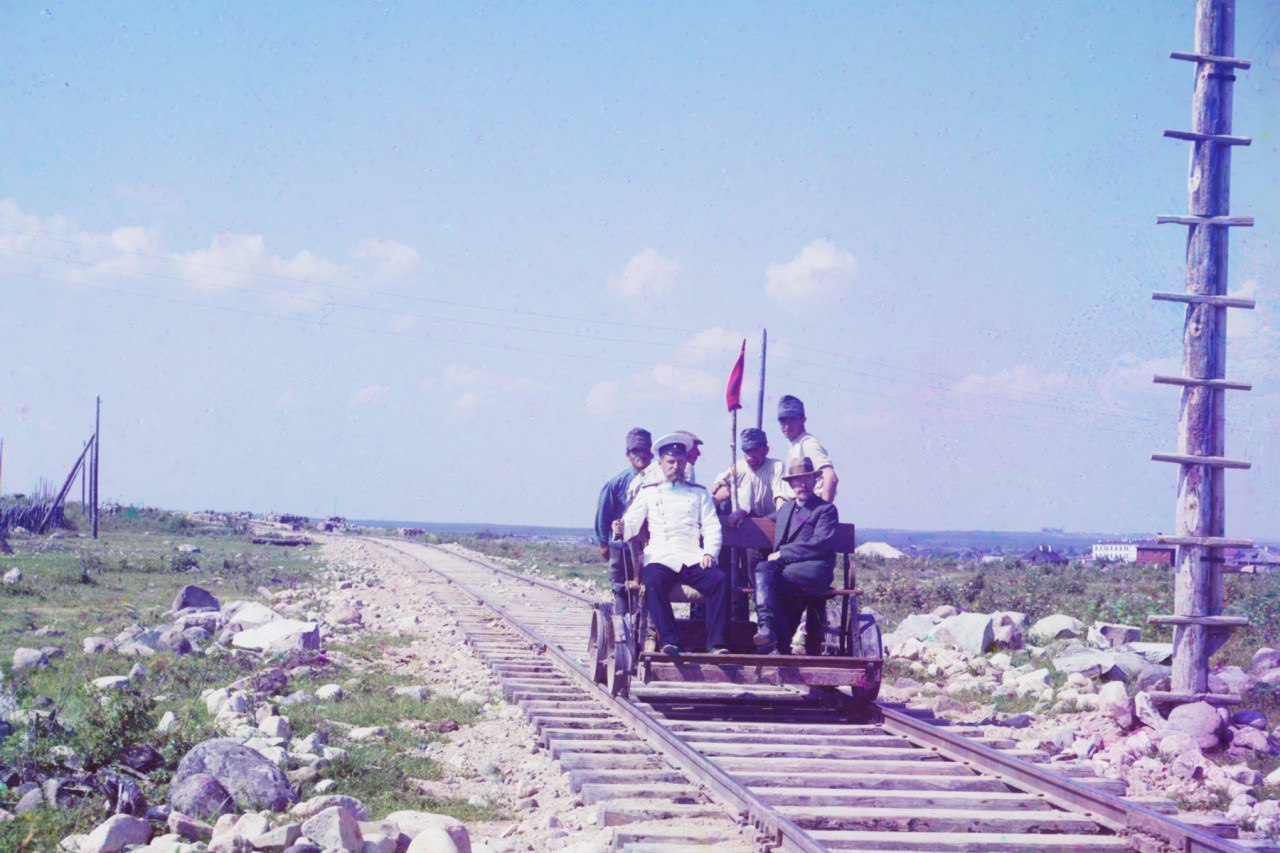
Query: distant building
x: 1258, y: 560
x: 1142, y: 552
x: 1043, y: 554
x: 1118, y: 552
x: 1149, y: 555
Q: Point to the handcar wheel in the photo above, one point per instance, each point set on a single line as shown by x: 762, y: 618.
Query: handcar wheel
x: 864, y: 637
x: 601, y: 638
x: 621, y: 662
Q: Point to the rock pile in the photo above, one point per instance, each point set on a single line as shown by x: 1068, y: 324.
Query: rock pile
x: 1091, y: 688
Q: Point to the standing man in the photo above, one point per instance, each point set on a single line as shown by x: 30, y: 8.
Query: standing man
x: 803, y: 563
x: 758, y: 477
x: 610, y: 507
x: 684, y: 541
x: 791, y: 420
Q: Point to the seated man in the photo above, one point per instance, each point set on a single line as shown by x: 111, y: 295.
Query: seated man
x: 684, y: 539
x: 758, y: 480
x: 803, y: 562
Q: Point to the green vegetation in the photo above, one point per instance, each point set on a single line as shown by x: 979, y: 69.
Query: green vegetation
x: 83, y: 588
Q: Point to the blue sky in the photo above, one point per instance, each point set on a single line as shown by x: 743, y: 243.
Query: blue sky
x: 432, y: 261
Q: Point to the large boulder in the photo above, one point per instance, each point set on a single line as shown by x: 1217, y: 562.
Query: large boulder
x: 1108, y: 635
x: 201, y: 796
x: 1090, y: 664
x: 117, y: 833
x: 917, y: 625
x: 1115, y: 703
x: 193, y: 596
x: 280, y: 636
x: 1198, y: 720
x: 253, y: 780
x: 335, y: 828
x: 971, y: 633
x: 1160, y: 654
x: 1265, y: 659
x: 246, y: 615
x: 1059, y: 626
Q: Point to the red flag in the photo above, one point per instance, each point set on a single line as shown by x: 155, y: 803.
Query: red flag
x: 733, y: 393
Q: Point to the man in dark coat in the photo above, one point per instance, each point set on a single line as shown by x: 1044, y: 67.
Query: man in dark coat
x: 612, y: 504
x: 803, y: 562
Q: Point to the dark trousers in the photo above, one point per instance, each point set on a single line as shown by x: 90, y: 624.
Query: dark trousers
x: 658, y: 582
x: 781, y: 597
x: 618, y: 579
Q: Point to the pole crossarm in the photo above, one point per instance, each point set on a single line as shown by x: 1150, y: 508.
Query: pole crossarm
x: 1206, y: 299
x: 1216, y: 221
x: 1229, y: 61
x: 1218, y: 138
x: 1207, y: 461
x: 1191, y: 382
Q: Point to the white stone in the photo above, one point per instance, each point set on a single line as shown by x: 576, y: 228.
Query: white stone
x: 13, y: 576
x: 116, y: 833
x: 167, y: 723
x: 246, y: 615
x: 275, y: 727
x: 1265, y: 659
x: 110, y: 682
x: 433, y: 840
x: 366, y: 732
x: 329, y: 692
x: 1059, y: 626
x: 29, y: 659
x: 279, y: 636
x: 972, y: 633
x: 1115, y: 703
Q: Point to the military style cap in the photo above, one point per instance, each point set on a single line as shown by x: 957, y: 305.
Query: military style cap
x: 639, y: 439
x: 790, y: 407
x: 753, y: 438
x: 673, y: 444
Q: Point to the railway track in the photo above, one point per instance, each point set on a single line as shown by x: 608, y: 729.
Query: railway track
x: 797, y: 772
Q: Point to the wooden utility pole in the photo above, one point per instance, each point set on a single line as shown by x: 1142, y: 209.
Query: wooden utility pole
x: 1199, y: 628
x: 97, y: 443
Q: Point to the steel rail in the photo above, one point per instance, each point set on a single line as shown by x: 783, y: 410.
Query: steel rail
x: 1146, y: 829
x: 1117, y: 814
x: 783, y: 833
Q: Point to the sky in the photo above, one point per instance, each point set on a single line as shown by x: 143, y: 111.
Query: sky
x: 432, y: 261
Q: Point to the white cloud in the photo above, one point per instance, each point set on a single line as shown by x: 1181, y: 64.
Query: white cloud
x: 368, y: 395
x: 391, y: 260
x: 648, y: 276
x: 1253, y: 337
x: 470, y: 386
x: 1021, y: 379
x: 822, y: 271
x: 135, y: 257
x: 696, y: 373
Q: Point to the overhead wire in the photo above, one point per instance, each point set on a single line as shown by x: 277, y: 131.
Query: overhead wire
x: 1071, y: 406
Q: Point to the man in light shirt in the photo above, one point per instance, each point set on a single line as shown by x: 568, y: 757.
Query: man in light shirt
x: 684, y: 542
x: 758, y: 477
x: 791, y: 420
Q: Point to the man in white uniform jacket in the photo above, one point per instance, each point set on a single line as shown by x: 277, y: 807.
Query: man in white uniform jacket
x: 684, y: 541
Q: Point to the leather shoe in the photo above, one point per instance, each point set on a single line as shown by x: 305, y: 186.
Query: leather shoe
x: 671, y: 649
x: 765, y: 636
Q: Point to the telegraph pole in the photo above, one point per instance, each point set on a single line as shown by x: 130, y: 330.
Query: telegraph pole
x: 97, y: 442
x: 1199, y: 628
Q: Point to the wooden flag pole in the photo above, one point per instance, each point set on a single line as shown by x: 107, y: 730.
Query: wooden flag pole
x: 764, y: 348
x: 733, y: 464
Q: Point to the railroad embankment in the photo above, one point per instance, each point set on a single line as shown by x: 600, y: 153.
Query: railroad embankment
x: 175, y: 687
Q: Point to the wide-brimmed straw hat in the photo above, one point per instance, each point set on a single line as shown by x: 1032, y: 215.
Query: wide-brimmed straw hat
x: 802, y: 467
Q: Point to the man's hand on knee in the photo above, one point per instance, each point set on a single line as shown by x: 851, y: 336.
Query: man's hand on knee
x: 708, y: 561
